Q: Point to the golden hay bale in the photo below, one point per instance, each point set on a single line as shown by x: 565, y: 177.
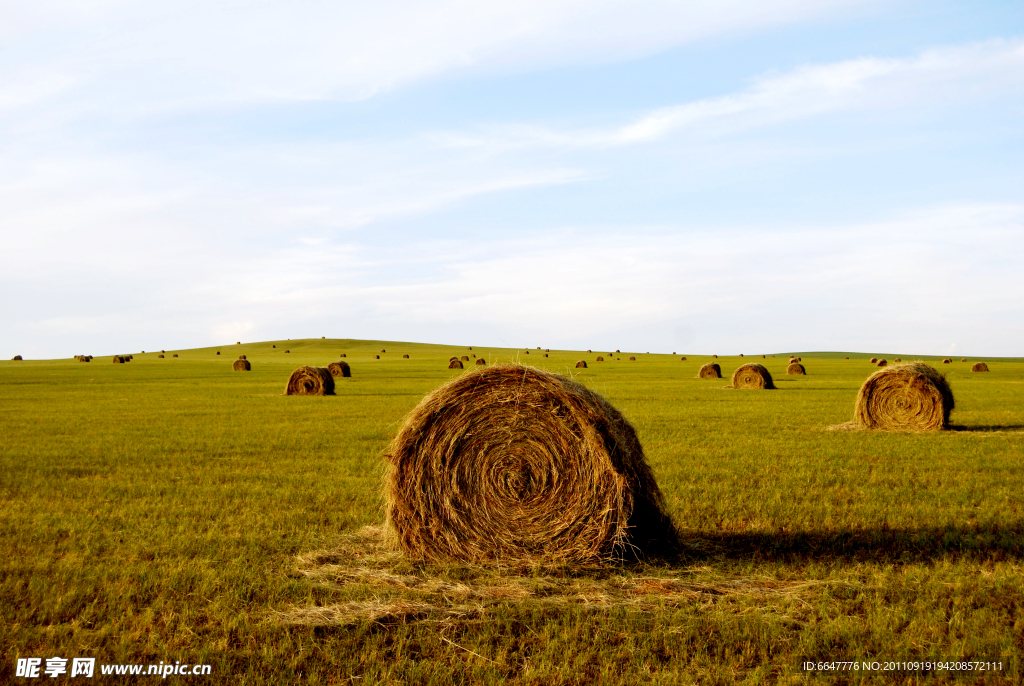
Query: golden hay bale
x: 383, y: 350
x: 762, y: 357
x: 17, y: 358
x: 796, y: 368
x: 241, y: 365
x: 473, y: 355
x: 323, y: 338
x: 241, y: 357
x: 715, y: 356
x: 339, y: 369
x: 453, y: 357
x: 910, y: 396
x: 342, y: 355
x: 589, y: 351
x: 947, y: 361
x: 963, y: 359
x: 527, y: 352
x: 752, y: 376
x: 873, y: 360
x: 632, y: 359
x: 406, y: 357
x: 464, y: 358
x: 238, y: 342
x: 897, y: 360
x: 847, y: 357
x: 682, y: 359
x: 881, y: 363
x: 163, y: 351
x: 310, y: 381
x: 272, y: 345
x: 545, y: 354
x: 600, y: 359
x: 481, y: 360
x: 711, y: 370
x: 455, y: 364
x: 287, y: 351
x: 469, y: 347
x: 514, y: 464
x: 618, y: 351
x: 174, y: 355
x: 581, y: 364
x: 160, y: 357
x: 979, y: 367
x: 376, y: 357
x: 118, y: 359
x: 741, y: 354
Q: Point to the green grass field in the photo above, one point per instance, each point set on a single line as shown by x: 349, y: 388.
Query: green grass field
x: 174, y: 510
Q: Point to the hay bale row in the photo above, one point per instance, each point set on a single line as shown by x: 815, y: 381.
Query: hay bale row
x: 310, y: 381
x: 711, y: 370
x: 752, y: 376
x: 910, y: 396
x: 241, y: 365
x: 518, y: 465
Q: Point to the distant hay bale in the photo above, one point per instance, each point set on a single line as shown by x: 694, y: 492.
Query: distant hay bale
x: 847, y: 357
x: 376, y: 357
x: 163, y: 351
x: 881, y: 363
x: 682, y: 359
x: 741, y: 354
x: 481, y: 360
x: 160, y: 357
x: 464, y: 358
x: 762, y: 357
x: 752, y: 376
x: 455, y: 364
x: 711, y: 370
x: 632, y: 358
x: 963, y: 359
x: 910, y: 396
x: 383, y: 350
x: 174, y: 355
x: 897, y: 360
x: 947, y: 361
x: 452, y: 358
x: 342, y: 355
x: 618, y: 351
x: 17, y: 358
x: 339, y: 369
x: 581, y: 364
x: 527, y: 352
x: 715, y: 356
x: 516, y: 465
x: 600, y: 359
x: 795, y: 368
x: 469, y: 347
x: 873, y: 360
x: 118, y: 359
x: 979, y: 367
x: 241, y: 357
x: 288, y: 351
x: 273, y: 345
x: 218, y: 352
x: 323, y: 338
x: 310, y: 381
x: 241, y: 365
x: 405, y: 357
x: 473, y: 355
x: 589, y: 351
x: 238, y: 342
x: 545, y: 354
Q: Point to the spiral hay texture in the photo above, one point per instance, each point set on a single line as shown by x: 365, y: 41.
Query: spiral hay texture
x: 979, y: 367
x: 711, y: 370
x: 796, y: 368
x: 310, y: 381
x: 517, y: 465
x: 241, y: 365
x: 752, y: 376
x: 339, y: 369
x: 908, y: 397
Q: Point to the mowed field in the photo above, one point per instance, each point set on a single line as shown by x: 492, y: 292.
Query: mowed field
x: 175, y: 510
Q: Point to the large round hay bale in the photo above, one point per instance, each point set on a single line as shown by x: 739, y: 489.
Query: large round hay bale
x: 873, y: 360
x: 599, y: 359
x: 241, y: 365
x: 464, y: 358
x: 897, y: 360
x: 947, y: 361
x: 881, y: 363
x: 752, y: 376
x: 711, y: 370
x: 17, y: 358
x: 513, y: 464
x: 581, y: 364
x: 455, y: 364
x: 910, y: 396
x: 795, y: 368
x: 453, y: 357
x: 310, y: 381
x: 86, y: 358
x: 979, y: 367
x: 339, y: 369
x: 963, y: 359
x: 481, y: 360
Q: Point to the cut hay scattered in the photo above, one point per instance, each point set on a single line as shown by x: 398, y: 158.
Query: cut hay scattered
x: 581, y: 364
x: 241, y: 365
x: 795, y: 368
x: 455, y: 364
x: 752, y: 376
x: 339, y: 369
x: 979, y: 367
x: 711, y: 370
x: 17, y: 358
x: 909, y: 397
x: 310, y: 381
x: 881, y: 363
x: 873, y: 360
x: 515, y: 464
x: 405, y: 357
x: 632, y: 359
x: 600, y: 359
x: 464, y: 358
x: 481, y: 360
x: 947, y: 361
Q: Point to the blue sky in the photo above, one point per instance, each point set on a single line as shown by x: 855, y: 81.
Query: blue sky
x: 705, y: 177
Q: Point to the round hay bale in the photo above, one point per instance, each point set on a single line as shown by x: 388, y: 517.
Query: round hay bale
x: 979, y: 367
x: 453, y: 357
x: 911, y: 396
x: 715, y: 356
x: 405, y: 357
x: 118, y: 359
x: 376, y: 357
x: 78, y: 357
x: 796, y: 368
x: 469, y: 347
x: 473, y: 355
x: 17, y: 358
x: 86, y: 358
x: 310, y: 381
x: 241, y: 357
x: 240, y: 342
x: 342, y: 355
x: 682, y: 359
x: 273, y: 345
x: 618, y: 351
x: 752, y: 376
x: 287, y: 351
x: 897, y: 360
x: 163, y: 351
x: 873, y: 360
x: 383, y: 350
x: 762, y: 357
x: 947, y: 361
x: 581, y: 364
x: 847, y: 357
x: 545, y: 354
x: 741, y: 354
x: 339, y: 369
x: 455, y: 364
x: 464, y: 358
x: 711, y: 370
x: 241, y: 365
x: 632, y: 358
x: 481, y: 360
x: 160, y: 357
x: 174, y: 355
x: 589, y: 351
x: 515, y: 464
x: 527, y: 352
x: 218, y: 352
x: 963, y: 359
x: 323, y: 338
x: 600, y: 359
